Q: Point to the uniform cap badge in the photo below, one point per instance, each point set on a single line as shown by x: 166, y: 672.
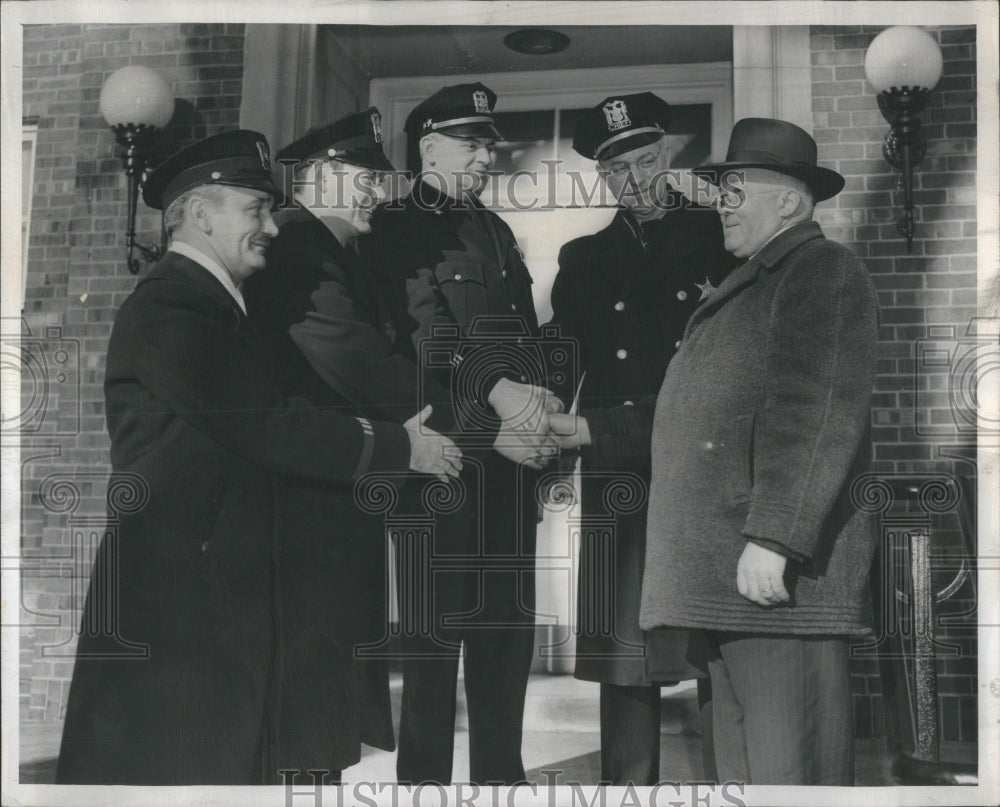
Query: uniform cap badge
x: 265, y: 154
x: 616, y: 114
x: 481, y: 102
x: 377, y: 126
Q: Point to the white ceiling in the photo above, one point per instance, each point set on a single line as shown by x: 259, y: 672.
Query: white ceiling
x: 387, y: 51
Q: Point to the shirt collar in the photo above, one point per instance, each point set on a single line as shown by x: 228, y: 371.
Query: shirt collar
x: 213, y: 268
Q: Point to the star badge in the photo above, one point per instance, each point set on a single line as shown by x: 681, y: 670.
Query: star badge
x: 706, y: 289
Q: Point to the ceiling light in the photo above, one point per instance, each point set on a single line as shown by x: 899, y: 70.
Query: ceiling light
x: 537, y: 41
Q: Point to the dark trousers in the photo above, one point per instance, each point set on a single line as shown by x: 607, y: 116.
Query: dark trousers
x: 781, y: 709
x: 630, y: 734
x: 497, y: 662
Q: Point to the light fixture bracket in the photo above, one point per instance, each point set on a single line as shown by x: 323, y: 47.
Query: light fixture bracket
x: 904, y: 145
x: 135, y: 139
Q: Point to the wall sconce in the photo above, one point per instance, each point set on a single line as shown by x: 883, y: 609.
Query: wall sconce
x: 903, y: 64
x: 135, y: 101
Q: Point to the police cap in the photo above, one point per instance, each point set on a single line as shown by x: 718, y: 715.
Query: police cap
x: 461, y: 110
x: 240, y: 159
x: 621, y: 123
x: 356, y: 139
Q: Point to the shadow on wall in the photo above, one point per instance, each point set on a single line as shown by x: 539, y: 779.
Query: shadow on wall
x: 186, y: 127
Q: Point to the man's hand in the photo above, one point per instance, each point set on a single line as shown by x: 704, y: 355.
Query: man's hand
x: 760, y: 575
x: 524, y: 406
x: 573, y: 431
x: 430, y: 452
x: 524, y: 447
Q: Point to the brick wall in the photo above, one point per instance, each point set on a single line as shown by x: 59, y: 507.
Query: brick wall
x: 926, y: 294
x: 76, y: 280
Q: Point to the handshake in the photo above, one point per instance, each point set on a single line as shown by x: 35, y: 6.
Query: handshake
x: 533, y: 430
x: 533, y: 427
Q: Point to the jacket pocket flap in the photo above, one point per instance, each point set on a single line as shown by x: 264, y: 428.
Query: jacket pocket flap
x: 460, y: 272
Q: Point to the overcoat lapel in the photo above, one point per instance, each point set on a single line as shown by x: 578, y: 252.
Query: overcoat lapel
x: 177, y: 268
x: 770, y: 254
x: 738, y: 279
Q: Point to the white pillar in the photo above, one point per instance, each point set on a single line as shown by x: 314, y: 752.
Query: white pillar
x: 279, y: 81
x: 771, y: 73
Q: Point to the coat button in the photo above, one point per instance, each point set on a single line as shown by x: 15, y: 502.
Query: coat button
x: 682, y: 295
x: 622, y: 353
x: 619, y: 306
x: 503, y: 273
x: 204, y: 546
x: 458, y: 275
x: 677, y: 343
x: 513, y: 307
x: 629, y: 403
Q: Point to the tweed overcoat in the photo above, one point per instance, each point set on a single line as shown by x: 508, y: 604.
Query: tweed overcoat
x: 193, y: 572
x: 624, y: 296
x: 760, y: 429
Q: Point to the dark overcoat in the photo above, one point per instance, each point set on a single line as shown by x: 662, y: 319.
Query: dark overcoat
x: 442, y: 263
x: 625, y: 294
x: 329, y: 339
x: 328, y: 331
x: 195, y: 574
x: 761, y: 428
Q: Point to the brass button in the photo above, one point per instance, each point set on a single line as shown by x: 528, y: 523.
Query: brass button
x: 622, y: 353
x: 682, y: 295
x: 619, y: 306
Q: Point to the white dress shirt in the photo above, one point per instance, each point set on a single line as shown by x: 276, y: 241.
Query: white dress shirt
x: 220, y: 274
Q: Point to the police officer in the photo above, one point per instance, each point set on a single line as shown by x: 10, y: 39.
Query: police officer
x: 204, y: 442
x: 625, y: 294
x: 443, y: 260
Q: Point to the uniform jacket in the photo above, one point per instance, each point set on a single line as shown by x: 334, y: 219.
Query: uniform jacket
x: 328, y: 330
x: 197, y: 561
x: 761, y: 427
x: 624, y: 296
x: 442, y: 263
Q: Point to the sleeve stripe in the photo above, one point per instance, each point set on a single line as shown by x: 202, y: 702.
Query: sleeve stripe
x: 367, y: 450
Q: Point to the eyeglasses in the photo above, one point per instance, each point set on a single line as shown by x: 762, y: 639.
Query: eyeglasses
x: 735, y: 199
x: 646, y: 164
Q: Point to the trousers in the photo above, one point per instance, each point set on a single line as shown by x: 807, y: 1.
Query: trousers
x: 496, y: 663
x: 781, y: 709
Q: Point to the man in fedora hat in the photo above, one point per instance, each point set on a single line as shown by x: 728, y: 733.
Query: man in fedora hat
x: 759, y: 430
x: 456, y: 284
x: 181, y: 666
x: 625, y: 294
